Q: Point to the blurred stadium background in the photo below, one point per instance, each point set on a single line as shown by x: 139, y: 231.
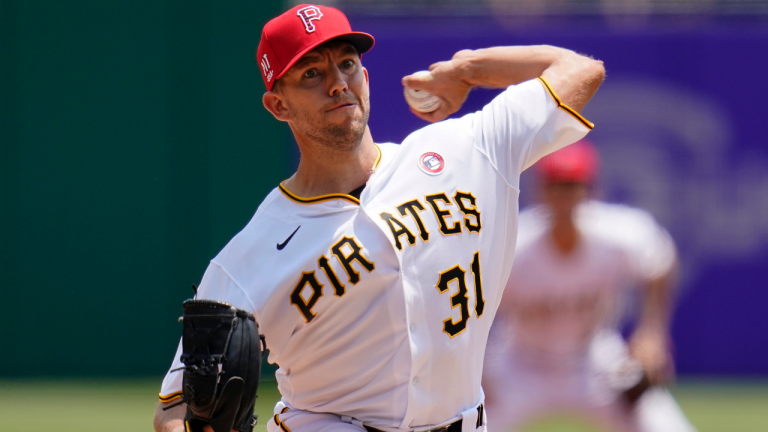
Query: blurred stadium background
x: 133, y: 146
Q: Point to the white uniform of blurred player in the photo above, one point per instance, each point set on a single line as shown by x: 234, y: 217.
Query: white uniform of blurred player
x: 555, y: 347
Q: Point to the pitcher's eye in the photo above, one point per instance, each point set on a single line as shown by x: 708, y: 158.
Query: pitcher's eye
x: 310, y: 73
x: 347, y: 64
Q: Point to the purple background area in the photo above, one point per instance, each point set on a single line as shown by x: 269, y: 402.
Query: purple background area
x: 681, y: 129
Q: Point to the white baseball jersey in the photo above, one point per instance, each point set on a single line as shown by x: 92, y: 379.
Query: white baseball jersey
x: 379, y: 308
x: 554, y: 303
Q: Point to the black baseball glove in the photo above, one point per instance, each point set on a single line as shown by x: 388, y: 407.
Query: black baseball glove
x: 222, y: 363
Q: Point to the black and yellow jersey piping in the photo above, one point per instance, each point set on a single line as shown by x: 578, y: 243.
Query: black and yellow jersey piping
x: 282, y: 425
x: 565, y: 107
x: 170, y: 397
x: 321, y: 198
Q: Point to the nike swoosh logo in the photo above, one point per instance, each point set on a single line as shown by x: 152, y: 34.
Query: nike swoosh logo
x: 280, y: 246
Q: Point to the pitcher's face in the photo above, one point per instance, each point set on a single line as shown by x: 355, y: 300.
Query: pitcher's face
x: 325, y: 96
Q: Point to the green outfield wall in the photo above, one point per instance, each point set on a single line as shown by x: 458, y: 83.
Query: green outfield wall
x: 133, y: 146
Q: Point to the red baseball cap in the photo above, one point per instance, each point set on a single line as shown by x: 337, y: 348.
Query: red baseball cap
x: 579, y: 163
x: 285, y: 39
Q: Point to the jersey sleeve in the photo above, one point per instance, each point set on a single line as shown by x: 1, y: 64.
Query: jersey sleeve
x: 170, y: 390
x: 216, y: 285
x: 523, y: 124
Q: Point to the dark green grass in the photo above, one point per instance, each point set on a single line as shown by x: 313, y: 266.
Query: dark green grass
x: 128, y: 405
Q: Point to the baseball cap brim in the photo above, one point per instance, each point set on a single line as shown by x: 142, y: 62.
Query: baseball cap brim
x: 363, y: 42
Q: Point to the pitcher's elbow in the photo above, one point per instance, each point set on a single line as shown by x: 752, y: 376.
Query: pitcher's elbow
x: 596, y: 71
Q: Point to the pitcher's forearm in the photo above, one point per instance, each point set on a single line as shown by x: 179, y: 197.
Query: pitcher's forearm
x: 171, y: 420
x: 574, y: 77
x: 500, y: 67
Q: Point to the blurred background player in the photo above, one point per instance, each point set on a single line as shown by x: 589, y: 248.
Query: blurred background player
x: 555, y: 346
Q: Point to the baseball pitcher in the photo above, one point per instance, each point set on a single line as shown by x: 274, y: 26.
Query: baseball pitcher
x: 374, y: 272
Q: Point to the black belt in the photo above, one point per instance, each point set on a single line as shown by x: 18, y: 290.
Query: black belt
x: 453, y: 427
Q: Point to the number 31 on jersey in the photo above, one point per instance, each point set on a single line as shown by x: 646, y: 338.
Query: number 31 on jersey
x: 457, y: 276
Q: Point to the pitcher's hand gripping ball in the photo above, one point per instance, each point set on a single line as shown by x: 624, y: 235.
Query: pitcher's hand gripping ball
x: 420, y: 100
x: 222, y: 363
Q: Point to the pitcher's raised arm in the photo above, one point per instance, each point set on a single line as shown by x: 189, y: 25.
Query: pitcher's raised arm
x: 574, y: 77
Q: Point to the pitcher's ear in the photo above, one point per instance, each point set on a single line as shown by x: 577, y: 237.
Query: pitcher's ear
x: 273, y: 102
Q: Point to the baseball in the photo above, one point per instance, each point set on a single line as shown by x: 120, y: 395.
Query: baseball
x: 419, y: 100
